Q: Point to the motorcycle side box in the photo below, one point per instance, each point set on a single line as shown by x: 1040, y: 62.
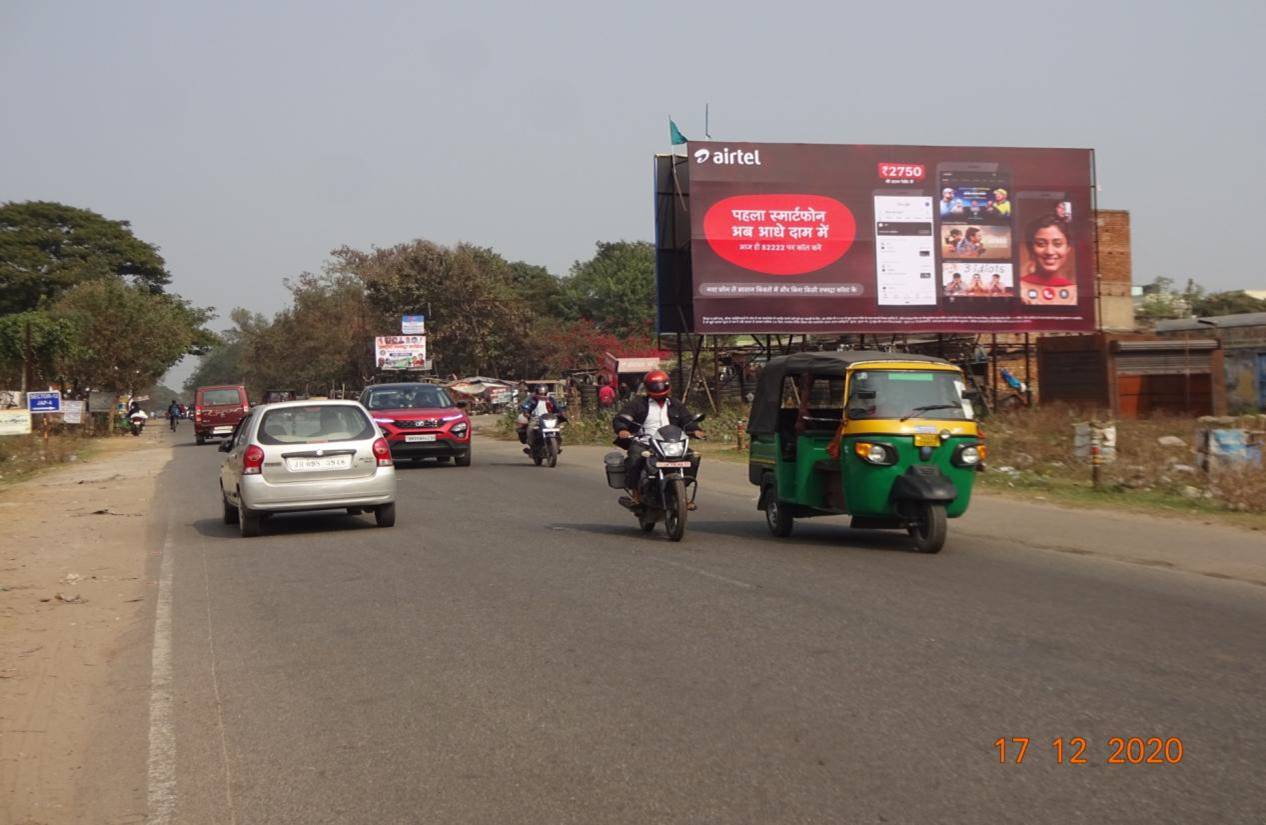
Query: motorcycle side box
x: 614, y: 462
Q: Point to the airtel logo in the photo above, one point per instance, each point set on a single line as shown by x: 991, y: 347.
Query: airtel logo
x: 728, y: 157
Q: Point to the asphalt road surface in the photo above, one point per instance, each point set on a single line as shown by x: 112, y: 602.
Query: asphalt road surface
x: 516, y: 651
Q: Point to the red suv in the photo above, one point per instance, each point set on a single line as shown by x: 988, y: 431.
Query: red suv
x: 420, y: 421
x: 216, y: 411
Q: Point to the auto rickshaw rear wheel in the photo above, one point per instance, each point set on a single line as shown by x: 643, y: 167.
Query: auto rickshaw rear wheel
x: 778, y: 517
x: 928, y: 529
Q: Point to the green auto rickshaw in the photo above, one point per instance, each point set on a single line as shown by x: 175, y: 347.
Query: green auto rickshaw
x: 888, y: 439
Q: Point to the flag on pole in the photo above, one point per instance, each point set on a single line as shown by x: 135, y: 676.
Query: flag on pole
x: 675, y: 134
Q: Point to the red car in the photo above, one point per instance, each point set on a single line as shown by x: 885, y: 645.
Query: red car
x: 216, y: 411
x: 420, y: 421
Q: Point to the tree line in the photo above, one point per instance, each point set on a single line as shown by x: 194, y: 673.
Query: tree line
x: 84, y: 303
x: 485, y: 315
x: 1162, y: 301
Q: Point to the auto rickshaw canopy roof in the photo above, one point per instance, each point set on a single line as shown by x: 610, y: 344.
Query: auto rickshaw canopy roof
x: 765, y: 406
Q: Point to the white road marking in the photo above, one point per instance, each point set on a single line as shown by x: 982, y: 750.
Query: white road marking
x: 219, y: 702
x: 162, y: 733
x: 709, y: 574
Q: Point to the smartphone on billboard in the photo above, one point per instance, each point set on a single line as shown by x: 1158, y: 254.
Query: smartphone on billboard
x: 1048, y: 265
x: 975, y: 234
x: 905, y: 249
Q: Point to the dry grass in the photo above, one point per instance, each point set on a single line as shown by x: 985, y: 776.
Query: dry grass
x: 22, y: 455
x: 1033, y: 449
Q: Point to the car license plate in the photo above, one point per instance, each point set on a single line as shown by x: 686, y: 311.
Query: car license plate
x: 222, y: 430
x: 309, y: 465
x: 414, y: 438
x: 927, y: 440
x: 673, y: 464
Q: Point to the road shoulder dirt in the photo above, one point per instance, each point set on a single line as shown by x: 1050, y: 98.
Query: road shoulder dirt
x: 73, y: 589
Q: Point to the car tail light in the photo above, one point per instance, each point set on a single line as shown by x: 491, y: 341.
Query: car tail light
x: 382, y: 452
x: 252, y: 461
x: 197, y: 413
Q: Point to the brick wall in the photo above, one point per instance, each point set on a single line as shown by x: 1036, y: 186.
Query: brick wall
x: 1116, y: 306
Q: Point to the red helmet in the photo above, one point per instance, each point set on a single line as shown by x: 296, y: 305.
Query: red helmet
x: 657, y: 385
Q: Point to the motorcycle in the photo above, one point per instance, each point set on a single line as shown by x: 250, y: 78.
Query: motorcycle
x: 668, y: 484
x: 136, y: 422
x: 545, y: 438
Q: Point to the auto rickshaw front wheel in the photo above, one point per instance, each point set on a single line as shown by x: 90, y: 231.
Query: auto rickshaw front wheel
x: 928, y: 528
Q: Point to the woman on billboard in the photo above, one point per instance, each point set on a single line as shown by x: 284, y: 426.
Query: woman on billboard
x: 1049, y: 278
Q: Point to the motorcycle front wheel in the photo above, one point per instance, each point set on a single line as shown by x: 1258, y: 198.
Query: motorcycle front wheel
x: 552, y: 446
x: 675, y: 509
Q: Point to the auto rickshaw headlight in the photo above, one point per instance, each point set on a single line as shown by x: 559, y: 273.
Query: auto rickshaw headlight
x: 873, y: 453
x: 969, y: 455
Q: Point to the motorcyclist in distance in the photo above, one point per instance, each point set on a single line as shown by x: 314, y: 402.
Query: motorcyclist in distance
x: 648, y: 413
x: 536, y: 404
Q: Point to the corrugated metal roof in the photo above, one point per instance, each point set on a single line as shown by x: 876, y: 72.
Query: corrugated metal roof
x: 1242, y: 319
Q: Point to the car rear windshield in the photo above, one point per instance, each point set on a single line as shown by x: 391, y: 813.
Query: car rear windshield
x: 315, y: 425
x: 407, y: 398
x: 219, y: 398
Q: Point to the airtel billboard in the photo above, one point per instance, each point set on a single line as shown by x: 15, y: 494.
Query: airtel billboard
x: 759, y: 237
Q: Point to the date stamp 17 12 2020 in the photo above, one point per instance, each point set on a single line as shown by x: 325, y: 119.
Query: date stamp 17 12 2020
x: 1076, y: 750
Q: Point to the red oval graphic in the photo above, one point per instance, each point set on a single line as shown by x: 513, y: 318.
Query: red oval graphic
x: 780, y: 234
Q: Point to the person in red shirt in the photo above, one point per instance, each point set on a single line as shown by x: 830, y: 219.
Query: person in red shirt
x: 606, y: 393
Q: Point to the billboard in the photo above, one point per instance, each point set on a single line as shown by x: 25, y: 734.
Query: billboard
x: 400, y: 352
x: 15, y: 422
x: 805, y: 238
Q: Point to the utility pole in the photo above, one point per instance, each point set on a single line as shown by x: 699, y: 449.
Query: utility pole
x: 28, y: 360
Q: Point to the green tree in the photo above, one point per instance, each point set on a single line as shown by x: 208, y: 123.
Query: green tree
x: 1161, y: 302
x: 48, y: 248
x: 1227, y: 303
x: 615, y: 288
x: 540, y: 291
x: 49, y: 337
x: 478, y: 318
x: 222, y: 364
x: 125, y: 337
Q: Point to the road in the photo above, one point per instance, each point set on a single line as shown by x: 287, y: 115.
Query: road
x: 515, y: 651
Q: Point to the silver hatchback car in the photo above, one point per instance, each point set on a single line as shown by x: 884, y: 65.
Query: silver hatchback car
x: 306, y: 455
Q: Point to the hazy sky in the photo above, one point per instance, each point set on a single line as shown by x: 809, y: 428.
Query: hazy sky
x: 249, y: 139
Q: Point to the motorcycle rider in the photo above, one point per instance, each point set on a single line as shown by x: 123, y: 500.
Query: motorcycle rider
x: 537, y: 404
x: 136, y: 416
x: 173, y: 413
x: 650, y: 412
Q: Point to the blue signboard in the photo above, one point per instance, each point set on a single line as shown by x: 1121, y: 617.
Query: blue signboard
x: 413, y: 324
x: 44, y: 402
